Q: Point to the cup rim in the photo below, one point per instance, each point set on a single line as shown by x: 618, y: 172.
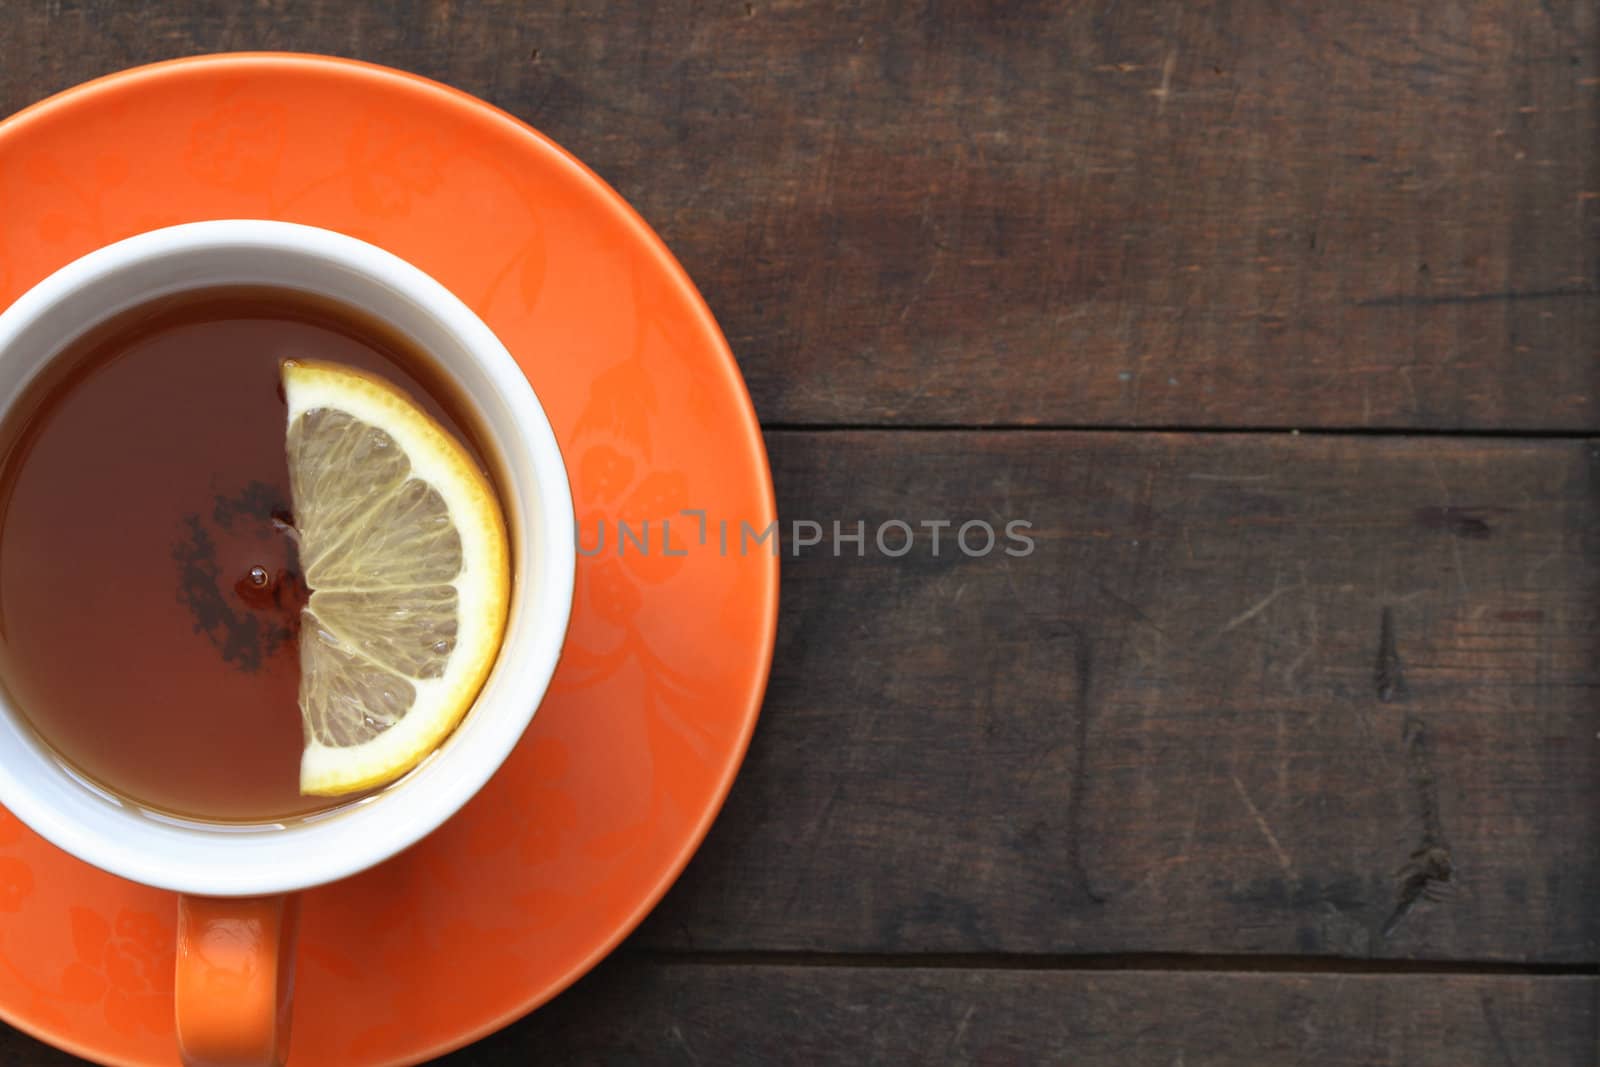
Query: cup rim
x: 130, y: 844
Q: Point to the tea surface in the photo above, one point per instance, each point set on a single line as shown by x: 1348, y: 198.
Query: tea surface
x: 149, y: 588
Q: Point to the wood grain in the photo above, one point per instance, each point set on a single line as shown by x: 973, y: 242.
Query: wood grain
x: 1315, y: 695
x: 1142, y: 214
x: 638, y: 1012
x: 1251, y: 694
x: 631, y: 1013
x: 1254, y: 696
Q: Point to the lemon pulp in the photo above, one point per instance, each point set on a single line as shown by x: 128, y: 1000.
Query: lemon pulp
x: 403, y: 547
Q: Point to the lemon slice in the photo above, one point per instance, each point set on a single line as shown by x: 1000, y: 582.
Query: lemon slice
x: 403, y: 546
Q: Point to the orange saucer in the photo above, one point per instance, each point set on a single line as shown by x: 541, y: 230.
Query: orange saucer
x: 631, y: 755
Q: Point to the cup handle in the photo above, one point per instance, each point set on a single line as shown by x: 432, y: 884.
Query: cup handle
x: 235, y: 981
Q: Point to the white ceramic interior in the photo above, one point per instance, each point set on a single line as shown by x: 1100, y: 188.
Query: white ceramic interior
x: 226, y: 860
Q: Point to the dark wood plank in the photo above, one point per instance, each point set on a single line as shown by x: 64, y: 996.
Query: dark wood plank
x: 1250, y: 694
x: 1141, y: 213
x: 758, y: 1015
x: 639, y: 1012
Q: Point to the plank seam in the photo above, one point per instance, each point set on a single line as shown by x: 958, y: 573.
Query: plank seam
x: 1571, y: 434
x: 1134, y: 961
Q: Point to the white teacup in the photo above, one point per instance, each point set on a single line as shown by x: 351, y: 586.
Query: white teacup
x: 235, y: 931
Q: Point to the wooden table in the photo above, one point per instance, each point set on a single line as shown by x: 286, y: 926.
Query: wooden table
x: 1280, y: 323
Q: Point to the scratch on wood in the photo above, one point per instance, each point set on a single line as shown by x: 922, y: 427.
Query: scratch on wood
x: 1389, y: 675
x: 1250, y: 613
x: 961, y: 1029
x: 1266, y: 831
x: 688, y: 1049
x: 1313, y: 641
x: 1429, y: 867
x: 1138, y: 613
x: 1080, y: 889
x: 1165, y: 90
x: 1420, y: 763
